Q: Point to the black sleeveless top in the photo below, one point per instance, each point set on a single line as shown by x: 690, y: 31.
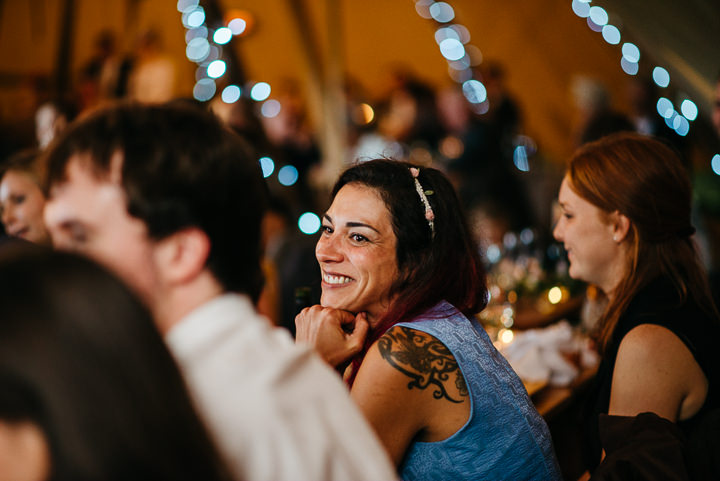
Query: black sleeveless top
x: 657, y: 303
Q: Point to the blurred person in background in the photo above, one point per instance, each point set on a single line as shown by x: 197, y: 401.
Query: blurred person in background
x: 88, y: 390
x: 21, y: 198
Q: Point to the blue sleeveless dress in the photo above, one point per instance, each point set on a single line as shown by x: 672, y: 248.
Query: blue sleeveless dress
x: 504, y: 438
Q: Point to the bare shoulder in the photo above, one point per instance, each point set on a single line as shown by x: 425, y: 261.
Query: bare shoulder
x: 424, y: 361
x: 655, y: 371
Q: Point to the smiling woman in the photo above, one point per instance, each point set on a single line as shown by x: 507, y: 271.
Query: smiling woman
x: 401, y: 282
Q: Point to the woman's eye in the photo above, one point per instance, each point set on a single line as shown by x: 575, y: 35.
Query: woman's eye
x: 567, y: 216
x: 19, y: 199
x: 358, y: 238
x: 326, y: 229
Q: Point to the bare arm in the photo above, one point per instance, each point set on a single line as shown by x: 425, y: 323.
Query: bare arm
x: 409, y: 387
x: 655, y: 372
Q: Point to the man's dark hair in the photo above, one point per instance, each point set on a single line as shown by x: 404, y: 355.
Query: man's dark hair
x: 180, y: 168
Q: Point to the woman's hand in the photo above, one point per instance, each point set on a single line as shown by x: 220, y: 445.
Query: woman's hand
x: 335, y: 334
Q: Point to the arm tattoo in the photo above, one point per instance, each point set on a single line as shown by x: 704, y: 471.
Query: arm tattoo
x: 422, y: 358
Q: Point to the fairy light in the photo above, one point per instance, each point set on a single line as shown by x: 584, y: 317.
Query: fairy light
x: 678, y: 119
x: 453, y: 40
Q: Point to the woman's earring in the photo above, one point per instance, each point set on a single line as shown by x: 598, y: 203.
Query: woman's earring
x: 616, y: 238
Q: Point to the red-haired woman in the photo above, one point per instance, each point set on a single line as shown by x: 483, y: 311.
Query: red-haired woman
x: 626, y: 203
x: 401, y: 280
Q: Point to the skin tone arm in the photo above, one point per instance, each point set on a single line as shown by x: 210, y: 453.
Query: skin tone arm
x: 410, y: 388
x: 409, y: 385
x: 656, y: 372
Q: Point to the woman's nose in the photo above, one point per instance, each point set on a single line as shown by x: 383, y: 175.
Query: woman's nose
x: 328, y: 250
x: 557, y: 231
x: 8, y: 216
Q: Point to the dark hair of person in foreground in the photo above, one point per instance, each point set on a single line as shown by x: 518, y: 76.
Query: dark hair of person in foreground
x: 80, y: 359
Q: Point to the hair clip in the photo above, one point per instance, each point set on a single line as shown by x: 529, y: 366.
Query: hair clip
x: 429, y: 214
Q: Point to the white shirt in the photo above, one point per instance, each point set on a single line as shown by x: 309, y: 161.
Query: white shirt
x: 275, y: 410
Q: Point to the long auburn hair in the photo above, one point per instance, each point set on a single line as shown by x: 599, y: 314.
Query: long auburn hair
x: 643, y: 179
x: 443, y: 266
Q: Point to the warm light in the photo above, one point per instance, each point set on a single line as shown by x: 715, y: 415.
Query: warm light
x: 506, y: 336
x: 365, y: 114
x: 555, y: 295
x: 452, y: 147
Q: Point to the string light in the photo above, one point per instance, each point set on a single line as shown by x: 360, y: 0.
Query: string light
x: 676, y: 119
x: 453, y: 40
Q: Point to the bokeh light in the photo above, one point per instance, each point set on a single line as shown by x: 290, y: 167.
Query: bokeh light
x: 715, y: 164
x: 661, y: 77
x: 474, y: 91
x: 581, y: 9
x: 222, y: 35
x: 611, y: 34
x: 665, y: 107
x: 260, y: 91
x: 204, y: 89
x: 231, y: 94
x: 287, y: 175
x: 309, y: 223
x: 197, y: 49
x: 270, y: 108
x: 187, y: 5
x: 452, y: 49
x: 442, y: 12
x: 689, y: 109
x: 630, y: 68
x: 216, y: 68
x: 267, y: 165
x: 237, y: 26
x: 631, y: 52
x: 598, y: 15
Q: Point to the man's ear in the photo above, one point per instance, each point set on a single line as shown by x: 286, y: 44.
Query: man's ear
x: 621, y: 226
x: 182, y: 256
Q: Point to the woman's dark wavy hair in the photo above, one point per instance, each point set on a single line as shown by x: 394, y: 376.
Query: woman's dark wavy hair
x: 445, y: 266
x: 81, y: 359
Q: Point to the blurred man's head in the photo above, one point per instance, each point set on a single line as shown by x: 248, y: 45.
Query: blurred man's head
x: 164, y: 195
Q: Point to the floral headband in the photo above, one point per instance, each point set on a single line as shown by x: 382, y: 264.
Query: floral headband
x: 429, y: 214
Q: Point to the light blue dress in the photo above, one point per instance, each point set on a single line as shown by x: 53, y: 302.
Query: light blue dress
x: 504, y: 438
